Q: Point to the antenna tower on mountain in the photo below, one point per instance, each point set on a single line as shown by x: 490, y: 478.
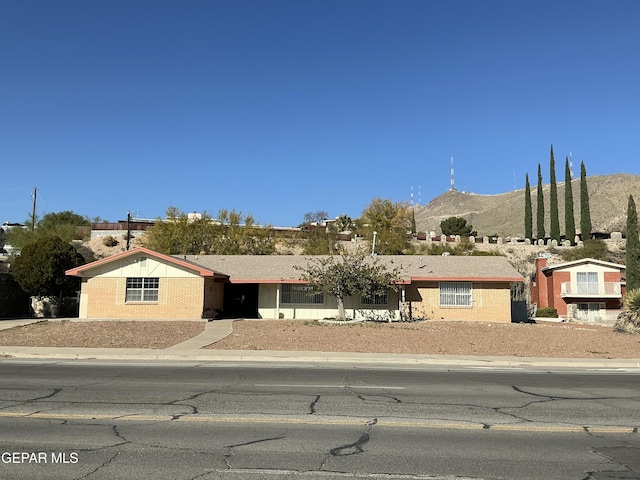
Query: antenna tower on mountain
x: 570, y: 165
x: 452, y: 188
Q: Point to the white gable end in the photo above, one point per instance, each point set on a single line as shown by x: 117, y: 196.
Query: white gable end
x: 140, y: 265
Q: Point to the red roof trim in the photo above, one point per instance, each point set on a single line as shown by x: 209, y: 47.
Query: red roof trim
x: 201, y: 271
x: 468, y: 279
x: 266, y: 280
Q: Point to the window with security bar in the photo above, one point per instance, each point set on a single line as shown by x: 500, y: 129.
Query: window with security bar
x: 141, y: 289
x: 456, y: 294
x: 293, y: 293
x: 377, y: 299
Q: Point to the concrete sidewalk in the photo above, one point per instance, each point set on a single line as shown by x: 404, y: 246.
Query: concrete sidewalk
x: 192, y: 351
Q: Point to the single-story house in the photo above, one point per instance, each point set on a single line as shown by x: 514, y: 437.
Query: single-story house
x: 584, y: 290
x: 143, y: 284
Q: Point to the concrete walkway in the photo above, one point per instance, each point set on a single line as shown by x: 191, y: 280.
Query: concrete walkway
x: 192, y: 351
x: 213, y: 331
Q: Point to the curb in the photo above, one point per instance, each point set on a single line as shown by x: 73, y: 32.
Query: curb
x: 289, y: 357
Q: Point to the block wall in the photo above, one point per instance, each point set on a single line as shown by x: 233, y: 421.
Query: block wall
x: 178, y: 298
x: 491, y: 302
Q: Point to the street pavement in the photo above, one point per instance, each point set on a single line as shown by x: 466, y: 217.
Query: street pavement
x: 192, y: 350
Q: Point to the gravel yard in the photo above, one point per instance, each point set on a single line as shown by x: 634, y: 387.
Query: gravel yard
x: 559, y: 340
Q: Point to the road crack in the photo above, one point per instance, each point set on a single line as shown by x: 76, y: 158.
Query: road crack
x: 354, y: 448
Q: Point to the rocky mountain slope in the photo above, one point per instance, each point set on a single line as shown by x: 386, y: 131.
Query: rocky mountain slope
x: 503, y: 214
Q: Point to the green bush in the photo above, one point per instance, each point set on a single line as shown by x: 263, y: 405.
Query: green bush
x: 592, y: 249
x: 547, y: 312
x: 109, y: 241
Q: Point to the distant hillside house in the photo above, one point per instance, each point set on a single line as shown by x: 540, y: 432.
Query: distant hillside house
x: 585, y: 290
x: 143, y: 284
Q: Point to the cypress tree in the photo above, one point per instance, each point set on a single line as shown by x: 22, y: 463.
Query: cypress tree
x: 633, y: 247
x: 569, y: 220
x: 413, y: 221
x: 553, y: 200
x: 540, y: 210
x: 528, y: 214
x: 585, y: 212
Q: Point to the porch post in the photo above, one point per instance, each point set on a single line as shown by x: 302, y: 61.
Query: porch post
x: 278, y: 300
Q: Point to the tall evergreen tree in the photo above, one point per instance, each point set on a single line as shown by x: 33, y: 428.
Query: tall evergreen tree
x: 585, y: 212
x: 553, y: 200
x: 569, y: 220
x: 528, y: 214
x: 540, y: 211
x: 633, y: 247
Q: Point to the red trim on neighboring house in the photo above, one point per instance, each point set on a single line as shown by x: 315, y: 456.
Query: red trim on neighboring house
x: 204, y: 272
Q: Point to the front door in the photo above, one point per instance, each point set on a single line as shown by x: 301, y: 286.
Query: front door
x: 240, y: 300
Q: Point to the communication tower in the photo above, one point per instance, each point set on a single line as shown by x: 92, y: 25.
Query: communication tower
x: 453, y: 183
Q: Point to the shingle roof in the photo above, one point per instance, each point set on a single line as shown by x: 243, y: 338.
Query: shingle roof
x: 276, y: 268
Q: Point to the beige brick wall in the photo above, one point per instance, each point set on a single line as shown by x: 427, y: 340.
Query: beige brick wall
x: 178, y: 298
x: 491, y: 303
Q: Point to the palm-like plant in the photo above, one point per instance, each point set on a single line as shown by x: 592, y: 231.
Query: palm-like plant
x: 629, y: 319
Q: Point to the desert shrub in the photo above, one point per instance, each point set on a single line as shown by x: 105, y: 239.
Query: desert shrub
x: 109, y: 241
x: 486, y: 253
x: 629, y: 319
x: 547, y: 312
x: 592, y: 249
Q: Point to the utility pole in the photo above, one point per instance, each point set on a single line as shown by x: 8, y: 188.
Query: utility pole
x: 128, y: 228
x: 33, y: 213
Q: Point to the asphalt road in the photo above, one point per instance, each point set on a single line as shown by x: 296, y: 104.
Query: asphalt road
x: 95, y: 420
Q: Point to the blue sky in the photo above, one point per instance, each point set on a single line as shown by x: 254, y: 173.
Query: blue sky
x: 278, y: 108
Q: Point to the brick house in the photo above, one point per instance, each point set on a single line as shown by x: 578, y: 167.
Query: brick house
x: 585, y: 290
x: 143, y: 284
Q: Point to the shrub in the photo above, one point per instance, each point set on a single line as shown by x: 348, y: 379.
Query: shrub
x: 109, y: 241
x: 547, y: 312
x: 629, y: 320
x: 592, y: 249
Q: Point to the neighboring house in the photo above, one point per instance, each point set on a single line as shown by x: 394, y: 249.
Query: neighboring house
x: 584, y: 290
x: 141, y: 283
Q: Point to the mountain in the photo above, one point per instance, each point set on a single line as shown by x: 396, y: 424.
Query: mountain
x: 503, y: 214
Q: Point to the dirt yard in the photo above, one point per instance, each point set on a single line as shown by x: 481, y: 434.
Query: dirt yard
x: 559, y: 340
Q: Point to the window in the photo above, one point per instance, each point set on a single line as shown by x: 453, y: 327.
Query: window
x: 142, y: 289
x: 376, y: 299
x: 587, y: 282
x: 591, y: 311
x: 455, y: 294
x: 301, y: 294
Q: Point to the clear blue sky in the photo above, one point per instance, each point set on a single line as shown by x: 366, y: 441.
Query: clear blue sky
x: 278, y: 108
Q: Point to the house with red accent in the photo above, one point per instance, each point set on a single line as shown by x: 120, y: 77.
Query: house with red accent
x: 143, y: 284
x: 586, y: 290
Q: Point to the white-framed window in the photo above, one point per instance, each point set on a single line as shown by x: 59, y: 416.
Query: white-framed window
x: 587, y: 282
x: 590, y: 311
x: 142, y: 289
x: 456, y: 294
x: 379, y: 300
x: 295, y: 293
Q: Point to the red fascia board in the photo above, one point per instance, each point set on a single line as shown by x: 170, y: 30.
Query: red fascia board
x: 266, y: 280
x: 201, y: 271
x: 468, y: 279
x: 292, y: 280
